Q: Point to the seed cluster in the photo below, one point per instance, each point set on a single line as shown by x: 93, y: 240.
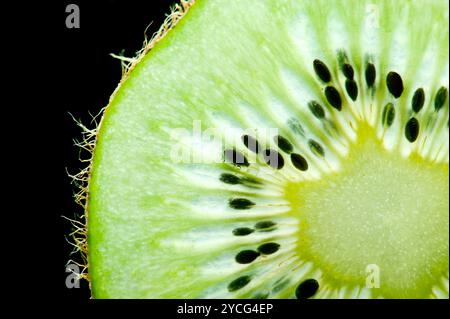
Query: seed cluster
x: 284, y: 154
x: 261, y: 226
x: 394, y: 85
x: 271, y: 157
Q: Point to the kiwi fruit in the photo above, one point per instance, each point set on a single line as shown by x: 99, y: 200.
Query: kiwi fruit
x: 276, y: 149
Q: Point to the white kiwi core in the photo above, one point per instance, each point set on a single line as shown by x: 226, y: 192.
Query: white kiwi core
x: 376, y: 222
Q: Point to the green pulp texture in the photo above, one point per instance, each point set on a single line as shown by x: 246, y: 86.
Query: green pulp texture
x: 158, y: 228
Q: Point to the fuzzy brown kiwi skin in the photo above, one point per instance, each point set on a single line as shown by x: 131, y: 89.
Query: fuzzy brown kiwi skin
x: 79, y: 237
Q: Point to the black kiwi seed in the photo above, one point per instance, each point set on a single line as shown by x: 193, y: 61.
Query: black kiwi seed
x: 250, y: 182
x: 295, y: 126
x: 268, y: 248
x: 418, y: 100
x: 230, y: 179
x: 246, y: 256
x: 352, y: 89
x: 412, y: 130
x: 316, y: 109
x: 264, y: 224
x: 388, y: 115
x: 441, y: 97
x: 316, y: 148
x: 280, y: 286
x: 251, y: 143
x: 242, y: 231
x: 370, y: 74
x: 239, y: 283
x: 322, y: 71
x: 394, y: 84
x: 307, y: 289
x: 273, y: 159
x: 299, y: 162
x: 347, y: 69
x: 333, y: 97
x: 241, y: 203
x: 283, y: 143
x: 235, y: 157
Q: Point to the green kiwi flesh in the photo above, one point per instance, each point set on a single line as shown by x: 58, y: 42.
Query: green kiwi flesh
x: 278, y: 149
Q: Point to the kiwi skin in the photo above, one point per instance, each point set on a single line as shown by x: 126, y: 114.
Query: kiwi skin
x: 78, y: 237
x: 320, y: 152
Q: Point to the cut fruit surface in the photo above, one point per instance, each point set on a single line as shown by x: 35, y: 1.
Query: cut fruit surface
x: 381, y: 210
x: 278, y: 149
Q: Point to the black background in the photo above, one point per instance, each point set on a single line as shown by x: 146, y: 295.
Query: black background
x: 89, y: 76
x: 75, y: 75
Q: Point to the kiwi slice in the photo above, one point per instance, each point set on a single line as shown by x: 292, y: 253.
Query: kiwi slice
x: 277, y: 149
